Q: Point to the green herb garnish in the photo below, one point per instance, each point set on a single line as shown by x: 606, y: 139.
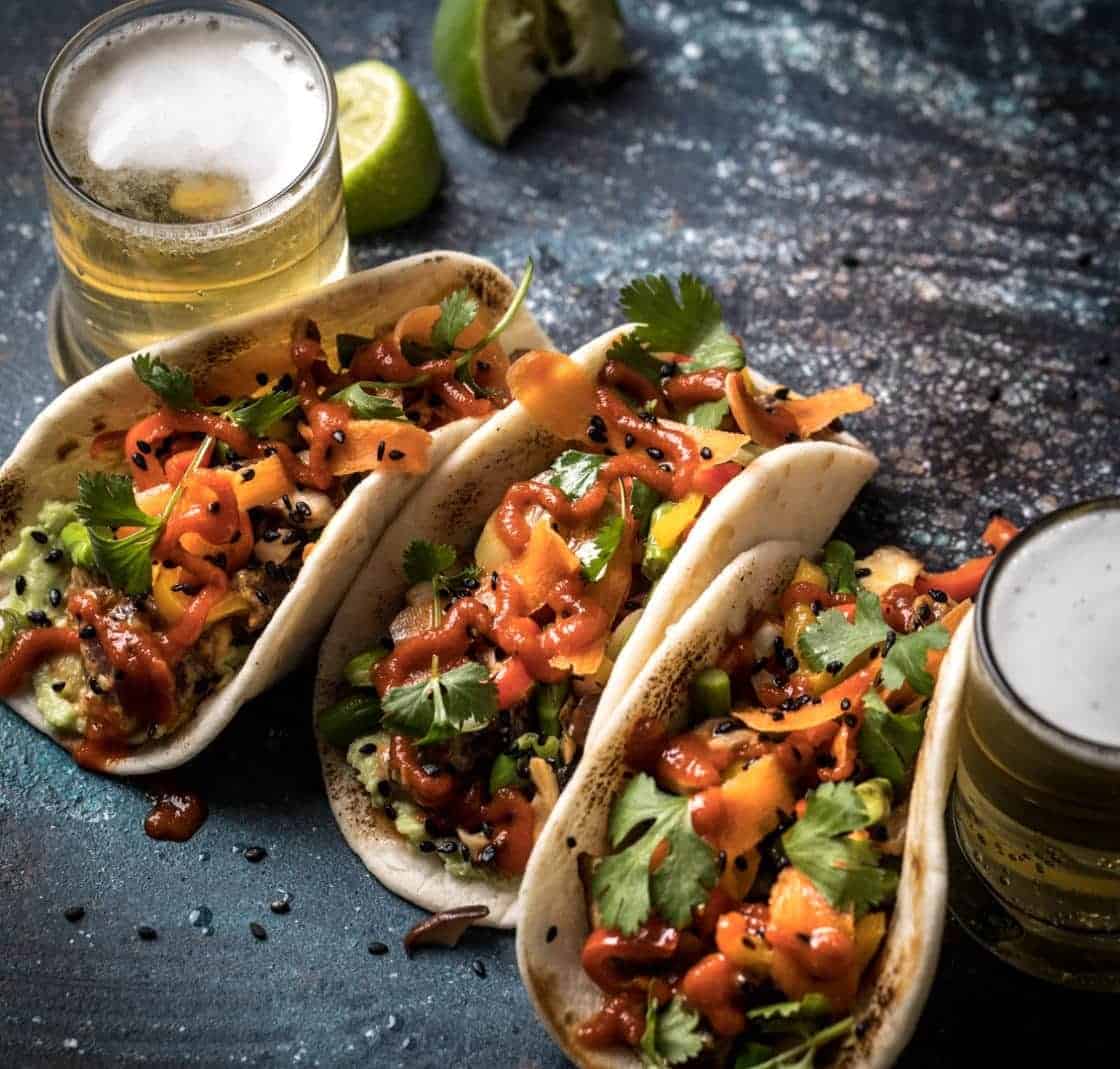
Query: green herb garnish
x: 259, y: 416
x: 442, y: 706
x: 595, y: 556
x: 457, y: 311
x: 906, y: 659
x: 832, y: 640
x: 889, y: 742
x: 839, y: 565
x: 575, y: 473
x: 172, y: 385
x: 672, y: 1035
x: 845, y: 870
x: 624, y: 888
x: 692, y: 326
x: 364, y: 405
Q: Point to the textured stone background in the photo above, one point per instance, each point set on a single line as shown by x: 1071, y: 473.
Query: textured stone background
x: 919, y: 195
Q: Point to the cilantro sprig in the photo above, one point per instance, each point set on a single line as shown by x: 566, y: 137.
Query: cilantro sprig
x: 672, y: 1036
x: 595, y: 556
x: 802, y: 1056
x: 172, y: 385
x: 692, y: 325
x: 431, y: 562
x: 365, y: 405
x: 457, y: 311
x: 628, y: 349
x: 106, y: 502
x: 259, y: 416
x: 889, y: 742
x: 623, y: 886
x: 845, y: 870
x: 839, y: 565
x: 575, y: 473
x: 446, y: 704
x: 832, y: 641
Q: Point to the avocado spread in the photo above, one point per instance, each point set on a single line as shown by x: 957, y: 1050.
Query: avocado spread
x: 37, y: 573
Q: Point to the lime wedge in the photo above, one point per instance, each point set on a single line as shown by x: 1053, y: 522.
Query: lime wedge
x: 485, y: 54
x: 391, y: 164
x: 581, y: 39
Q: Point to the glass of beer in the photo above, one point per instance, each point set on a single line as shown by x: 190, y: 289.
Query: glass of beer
x: 192, y: 169
x: 1036, y: 803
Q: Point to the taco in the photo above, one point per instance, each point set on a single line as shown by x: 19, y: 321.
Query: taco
x: 178, y: 528
x: 527, y: 582
x: 750, y: 867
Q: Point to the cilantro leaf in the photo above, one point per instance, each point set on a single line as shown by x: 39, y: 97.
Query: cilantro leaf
x: 457, y: 311
x: 595, y: 556
x: 672, y: 1035
x: 574, y: 472
x: 127, y: 562
x: 630, y: 351
x: 889, y: 742
x: 753, y: 1054
x: 802, y: 1056
x: 623, y: 887
x: 364, y: 405
x: 846, y: 871
x: 812, y: 1005
x: 833, y: 640
x: 692, y: 327
x: 839, y: 565
x: 443, y: 706
x: 109, y: 501
x: 172, y: 385
x: 643, y: 500
x: 347, y: 346
x: 258, y: 416
x: 709, y: 414
x: 906, y: 659
x: 425, y: 562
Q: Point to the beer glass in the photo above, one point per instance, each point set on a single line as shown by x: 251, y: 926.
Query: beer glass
x: 190, y: 152
x: 1036, y: 802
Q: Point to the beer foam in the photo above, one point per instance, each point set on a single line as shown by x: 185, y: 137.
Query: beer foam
x: 191, y: 94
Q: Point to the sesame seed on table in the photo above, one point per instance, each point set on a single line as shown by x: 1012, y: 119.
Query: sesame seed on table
x: 923, y: 197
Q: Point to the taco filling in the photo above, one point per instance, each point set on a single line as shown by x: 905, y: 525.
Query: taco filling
x: 468, y: 719
x: 129, y: 605
x: 758, y: 840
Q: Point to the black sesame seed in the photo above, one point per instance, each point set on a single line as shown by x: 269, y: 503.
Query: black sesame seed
x: 147, y: 933
x: 144, y: 447
x: 54, y: 596
x: 834, y: 667
x: 862, y: 573
x: 598, y: 423
x: 248, y: 475
x: 551, y: 934
x: 667, y: 468
x: 845, y: 704
x: 139, y: 461
x: 938, y: 595
x: 396, y: 454
x: 782, y: 393
x: 654, y: 453
x: 741, y: 862
x: 628, y: 440
x: 377, y: 949
x: 339, y: 436
x: 258, y: 931
x: 38, y: 618
x: 430, y: 770
x: 87, y: 632
x: 269, y: 535
x: 384, y: 788
x: 391, y: 812
x: 487, y: 854
x: 74, y: 914
x: 705, y: 453
x: 255, y: 853
x: 426, y: 846
x: 40, y: 537
x: 597, y: 435
x: 667, y: 370
x: 21, y: 585
x: 851, y: 720
x: 58, y: 686
x: 479, y: 968
x: 215, y: 507
x: 367, y: 748
x: 262, y: 379
x: 280, y: 905
x: 571, y: 842
x: 54, y: 556
x: 262, y: 597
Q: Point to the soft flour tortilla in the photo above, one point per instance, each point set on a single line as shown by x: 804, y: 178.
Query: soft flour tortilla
x: 553, y: 898
x: 795, y: 491
x: 46, y: 462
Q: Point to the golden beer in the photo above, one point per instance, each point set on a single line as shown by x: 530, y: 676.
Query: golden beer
x: 1036, y: 804
x: 192, y: 173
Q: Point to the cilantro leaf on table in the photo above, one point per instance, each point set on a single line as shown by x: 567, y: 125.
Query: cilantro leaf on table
x: 172, y: 385
x: 347, y: 346
x: 457, y: 311
x: 424, y: 562
x: 444, y: 705
x: 365, y: 405
x: 846, y: 871
x: 630, y: 351
x: 624, y: 888
x: 906, y: 659
x: 595, y: 556
x: 672, y: 1035
x: 839, y: 565
x: 692, y: 326
x: 710, y: 414
x: 106, y: 500
x: 258, y: 416
x: 833, y: 640
x: 889, y: 742
x: 574, y: 472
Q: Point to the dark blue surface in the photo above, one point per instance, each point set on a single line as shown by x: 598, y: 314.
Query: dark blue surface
x: 922, y: 196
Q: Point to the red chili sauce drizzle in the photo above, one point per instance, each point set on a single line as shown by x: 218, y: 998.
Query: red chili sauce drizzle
x: 176, y: 814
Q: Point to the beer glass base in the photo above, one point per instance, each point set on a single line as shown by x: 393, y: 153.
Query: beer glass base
x: 1089, y: 961
x: 69, y: 359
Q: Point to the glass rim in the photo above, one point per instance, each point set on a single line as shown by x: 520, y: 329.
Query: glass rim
x: 95, y: 27
x: 1030, y: 718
